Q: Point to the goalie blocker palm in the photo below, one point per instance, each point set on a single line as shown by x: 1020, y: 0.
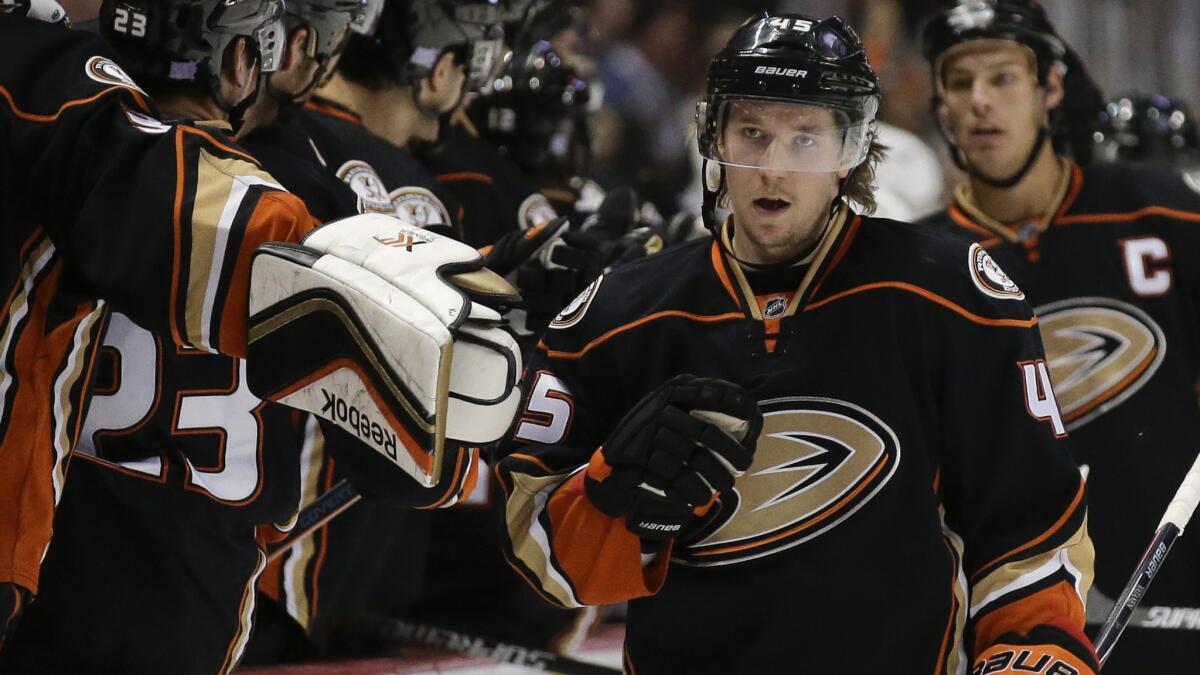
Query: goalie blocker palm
x: 388, y: 331
x: 673, y: 453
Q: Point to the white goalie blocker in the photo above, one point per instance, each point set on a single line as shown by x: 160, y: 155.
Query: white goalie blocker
x: 388, y: 331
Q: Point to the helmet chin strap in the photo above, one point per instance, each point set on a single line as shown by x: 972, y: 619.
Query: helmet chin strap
x: 961, y: 162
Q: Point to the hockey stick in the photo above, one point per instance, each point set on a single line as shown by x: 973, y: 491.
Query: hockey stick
x: 1174, y: 520
x: 391, y: 631
x: 314, y: 516
x: 1159, y: 617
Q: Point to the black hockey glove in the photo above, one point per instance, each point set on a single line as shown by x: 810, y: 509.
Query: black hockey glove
x: 516, y: 248
x: 673, y: 453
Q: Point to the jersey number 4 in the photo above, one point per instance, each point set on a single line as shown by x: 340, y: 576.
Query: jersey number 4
x: 1039, y: 396
x: 230, y: 413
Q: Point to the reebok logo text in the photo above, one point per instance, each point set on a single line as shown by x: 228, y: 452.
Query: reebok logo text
x: 350, y: 417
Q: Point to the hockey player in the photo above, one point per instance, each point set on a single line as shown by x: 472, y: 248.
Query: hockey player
x: 813, y: 421
x: 1098, y: 250
x: 172, y: 486
x: 80, y: 142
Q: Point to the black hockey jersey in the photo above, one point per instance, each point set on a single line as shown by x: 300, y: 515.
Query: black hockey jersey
x: 912, y: 496
x: 1109, y: 272
x: 386, y: 178
x: 496, y: 197
x: 99, y: 198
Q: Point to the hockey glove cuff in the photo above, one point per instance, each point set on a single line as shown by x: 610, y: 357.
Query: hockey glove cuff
x: 1048, y: 649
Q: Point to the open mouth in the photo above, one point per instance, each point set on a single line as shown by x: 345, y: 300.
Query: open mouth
x: 986, y: 133
x: 769, y: 205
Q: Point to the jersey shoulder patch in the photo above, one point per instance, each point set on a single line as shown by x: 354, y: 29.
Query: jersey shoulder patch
x: 105, y: 71
x: 989, y: 278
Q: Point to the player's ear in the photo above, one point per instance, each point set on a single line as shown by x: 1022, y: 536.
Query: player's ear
x: 298, y: 47
x: 239, y: 70
x: 446, y: 73
x: 1054, y: 89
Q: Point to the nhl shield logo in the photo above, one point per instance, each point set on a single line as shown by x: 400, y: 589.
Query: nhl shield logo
x: 774, y: 307
x: 989, y: 278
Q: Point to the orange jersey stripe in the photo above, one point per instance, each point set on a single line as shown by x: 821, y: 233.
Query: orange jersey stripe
x: 963, y: 221
x: 1076, y: 187
x: 1129, y: 216
x: 530, y: 458
x: 34, y: 117
x: 700, y: 318
x: 929, y: 295
x: 461, y: 176
x: 841, y: 253
x: 718, y: 263
x: 333, y: 111
x: 177, y: 334
x: 1040, y: 538
x: 224, y: 146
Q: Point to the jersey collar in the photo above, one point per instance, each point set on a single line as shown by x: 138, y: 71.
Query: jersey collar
x: 967, y: 214
x: 827, y: 254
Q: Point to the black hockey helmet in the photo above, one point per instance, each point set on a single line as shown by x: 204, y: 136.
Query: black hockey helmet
x: 186, y: 40
x: 1021, y: 21
x: 779, y: 60
x: 1026, y: 23
x: 789, y: 58
x: 404, y: 40
x: 537, y: 111
x: 1148, y: 128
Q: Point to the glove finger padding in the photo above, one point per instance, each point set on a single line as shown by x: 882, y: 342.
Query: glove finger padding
x: 516, y: 248
x: 380, y: 342
x: 668, y: 455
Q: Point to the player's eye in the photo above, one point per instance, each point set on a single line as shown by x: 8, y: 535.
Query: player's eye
x: 804, y: 141
x: 958, y: 85
x: 1003, y: 79
x: 753, y: 133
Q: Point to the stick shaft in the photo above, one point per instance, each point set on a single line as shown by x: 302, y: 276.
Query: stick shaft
x: 396, y: 630
x: 314, y: 516
x: 1135, y: 590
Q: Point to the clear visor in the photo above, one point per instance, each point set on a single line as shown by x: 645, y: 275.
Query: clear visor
x: 787, y: 136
